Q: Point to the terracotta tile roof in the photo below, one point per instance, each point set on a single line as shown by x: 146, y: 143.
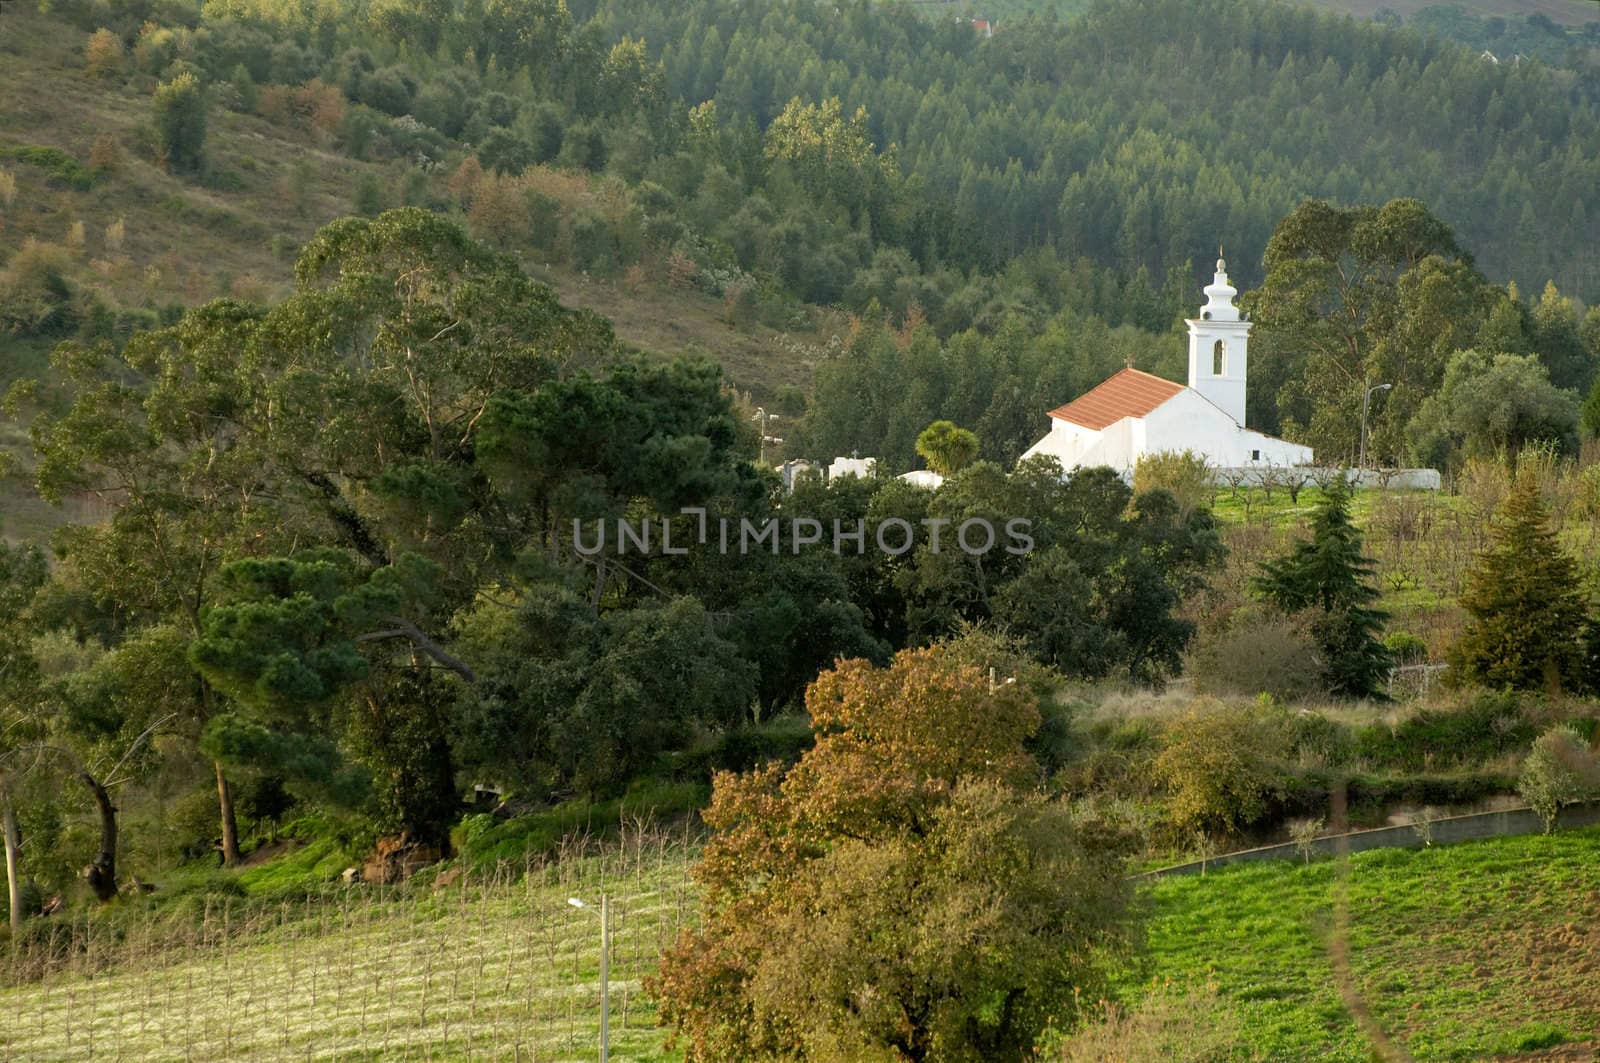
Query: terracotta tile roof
x: 1128, y: 393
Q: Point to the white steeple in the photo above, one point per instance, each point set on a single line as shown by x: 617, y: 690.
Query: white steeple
x: 1218, y: 345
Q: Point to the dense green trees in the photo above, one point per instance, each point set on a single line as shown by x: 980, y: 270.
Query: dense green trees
x: 418, y: 524
x: 1007, y: 187
x: 1493, y: 405
x: 1365, y: 296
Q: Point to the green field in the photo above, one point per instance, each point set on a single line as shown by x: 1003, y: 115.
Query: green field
x: 1456, y: 952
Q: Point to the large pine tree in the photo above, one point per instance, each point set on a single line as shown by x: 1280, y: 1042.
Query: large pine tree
x: 1524, y: 602
x: 1329, y: 576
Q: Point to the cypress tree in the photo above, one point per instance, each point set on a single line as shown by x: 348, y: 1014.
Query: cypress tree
x: 1331, y: 576
x: 1526, y: 612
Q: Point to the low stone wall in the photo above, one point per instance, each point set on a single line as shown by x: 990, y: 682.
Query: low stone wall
x: 1394, y: 479
x: 1450, y: 829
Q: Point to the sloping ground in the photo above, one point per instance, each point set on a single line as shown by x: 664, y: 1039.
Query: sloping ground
x: 1487, y: 949
x: 1566, y: 12
x: 494, y: 970
x: 1472, y: 951
x: 186, y: 241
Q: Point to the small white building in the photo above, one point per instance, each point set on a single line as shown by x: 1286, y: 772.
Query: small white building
x: 922, y: 478
x: 862, y: 467
x: 1134, y: 413
x: 791, y: 471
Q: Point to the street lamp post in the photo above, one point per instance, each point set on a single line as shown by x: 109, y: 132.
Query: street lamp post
x: 605, y: 971
x: 1366, y: 402
x: 764, y: 418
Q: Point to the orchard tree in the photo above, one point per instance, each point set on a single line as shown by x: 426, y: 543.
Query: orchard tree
x: 1330, y: 577
x: 900, y: 893
x: 1526, y: 610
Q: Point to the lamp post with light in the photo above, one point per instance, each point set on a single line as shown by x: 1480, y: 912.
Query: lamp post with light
x: 1366, y: 402
x: 605, y: 971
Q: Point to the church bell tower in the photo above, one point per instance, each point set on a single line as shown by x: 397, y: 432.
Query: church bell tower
x: 1218, y: 343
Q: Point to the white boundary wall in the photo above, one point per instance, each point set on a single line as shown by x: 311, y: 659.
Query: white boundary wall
x: 1395, y: 479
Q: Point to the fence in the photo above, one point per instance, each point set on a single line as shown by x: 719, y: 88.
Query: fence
x: 1450, y: 829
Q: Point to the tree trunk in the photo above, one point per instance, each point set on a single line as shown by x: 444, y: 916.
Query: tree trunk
x: 230, y: 824
x: 8, y: 816
x: 102, y: 874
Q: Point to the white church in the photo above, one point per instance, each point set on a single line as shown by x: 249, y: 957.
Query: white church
x: 1134, y: 413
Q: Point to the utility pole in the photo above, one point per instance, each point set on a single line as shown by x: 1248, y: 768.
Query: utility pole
x: 605, y: 971
x: 762, y: 417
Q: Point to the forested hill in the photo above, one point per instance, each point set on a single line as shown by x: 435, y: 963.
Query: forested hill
x: 1144, y: 131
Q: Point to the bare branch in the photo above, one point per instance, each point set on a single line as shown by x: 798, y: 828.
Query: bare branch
x: 403, y: 628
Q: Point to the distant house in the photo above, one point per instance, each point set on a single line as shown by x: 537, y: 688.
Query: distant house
x: 983, y: 27
x: 792, y: 470
x: 922, y: 478
x: 862, y: 467
x: 1133, y: 413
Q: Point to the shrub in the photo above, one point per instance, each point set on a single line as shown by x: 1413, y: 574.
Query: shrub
x: 1253, y: 651
x: 496, y: 215
x: 116, y: 234
x: 62, y: 168
x: 8, y: 188
x: 544, y: 219
x: 104, y: 155
x: 194, y: 823
x: 1561, y: 770
x: 1489, y: 726
x: 35, y: 298
x: 369, y: 196
x: 1184, y: 473
x: 1222, y: 765
x: 463, y: 183
x: 1405, y: 647
x: 1317, y: 741
x: 590, y: 246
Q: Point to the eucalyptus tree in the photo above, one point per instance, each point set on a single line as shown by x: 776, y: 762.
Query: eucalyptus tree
x: 23, y: 570
x: 162, y: 432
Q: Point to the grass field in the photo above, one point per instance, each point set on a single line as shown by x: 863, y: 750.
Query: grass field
x: 501, y: 967
x: 1458, y: 952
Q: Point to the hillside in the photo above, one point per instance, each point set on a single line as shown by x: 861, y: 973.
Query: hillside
x: 236, y: 233
x: 1562, y: 12
x: 1239, y: 964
